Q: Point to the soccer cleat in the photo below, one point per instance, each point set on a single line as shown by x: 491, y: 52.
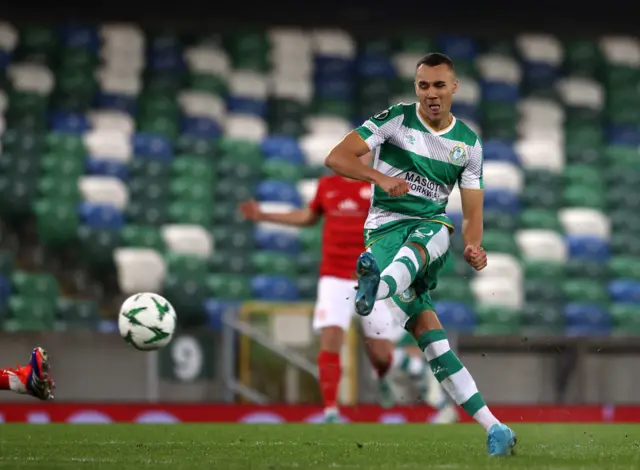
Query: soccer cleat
x: 331, y: 416
x: 34, y: 377
x: 501, y: 441
x: 368, y: 280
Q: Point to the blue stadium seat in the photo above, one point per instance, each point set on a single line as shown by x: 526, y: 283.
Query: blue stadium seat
x: 274, y: 288
x: 201, y: 127
x: 282, y: 147
x: 116, y: 102
x: 333, y: 68
x: 375, y: 65
x: 244, y: 105
x: 72, y: 123
x: 456, y: 218
x: 153, y: 146
x: 500, y: 92
x: 80, y: 37
x: 215, y: 310
x: 277, y: 240
x: 624, y: 290
x: 278, y: 191
x: 5, y: 290
x: 165, y: 60
x: 456, y: 315
x: 107, y: 167
x: 5, y: 59
x: 588, y: 247
x: 623, y: 135
x: 541, y: 74
x: 101, y: 215
x: 501, y: 200
x: 584, y: 319
x: 499, y: 150
x: 458, y: 47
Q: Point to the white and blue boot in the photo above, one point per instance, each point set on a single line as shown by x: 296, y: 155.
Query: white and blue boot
x: 501, y: 441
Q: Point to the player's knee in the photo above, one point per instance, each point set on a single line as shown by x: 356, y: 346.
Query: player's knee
x: 331, y: 339
x: 379, y: 350
x: 420, y: 251
x: 425, y: 321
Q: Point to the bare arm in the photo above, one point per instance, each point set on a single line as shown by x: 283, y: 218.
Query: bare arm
x: 297, y: 218
x: 345, y: 160
x: 472, y: 219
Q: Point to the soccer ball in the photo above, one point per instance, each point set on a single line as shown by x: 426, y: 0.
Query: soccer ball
x: 147, y: 321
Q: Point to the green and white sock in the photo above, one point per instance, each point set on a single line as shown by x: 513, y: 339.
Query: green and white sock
x: 454, y: 377
x: 399, y: 275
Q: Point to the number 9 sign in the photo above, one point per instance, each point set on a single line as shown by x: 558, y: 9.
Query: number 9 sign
x: 188, y: 358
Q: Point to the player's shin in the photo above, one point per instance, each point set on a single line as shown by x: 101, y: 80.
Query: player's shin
x: 454, y: 377
x: 329, y: 371
x: 10, y: 381
x: 400, y: 274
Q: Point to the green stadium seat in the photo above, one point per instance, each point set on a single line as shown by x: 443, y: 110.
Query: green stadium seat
x: 149, y: 188
x: 227, y: 213
x: 453, y: 288
x: 57, y: 221
x: 415, y: 43
x: 164, y: 126
x: 336, y: 108
x: 586, y: 268
x: 229, y: 286
x: 154, y: 213
x: 543, y: 290
x: 308, y: 262
x: 26, y: 143
x: 97, y: 245
x: 541, y: 269
x: 241, y: 151
x: 542, y: 219
x: 70, y: 145
x: 187, y: 295
x: 239, y: 172
x: 193, y: 167
x: 585, y: 175
x: 207, y: 83
x: 194, y: 190
x: 37, y: 42
x: 228, y: 189
x: 286, y: 117
x: 625, y: 244
x: 191, y: 145
x: 625, y: 221
x: 35, y: 285
x: 584, y: 144
x: 625, y: 267
x: 148, y: 168
x: 230, y: 262
x: 307, y: 286
x: 540, y: 318
x: 62, y: 165
x: 582, y: 58
x: 233, y: 238
x: 17, y: 195
x: 625, y: 319
x: 583, y: 195
x: 250, y: 51
x: 281, y: 170
x: 311, y: 238
x: 497, y: 320
x: 30, y: 314
x: 184, y: 265
x: 56, y: 187
x: 585, y: 290
x: 500, y: 221
x: 500, y: 242
x: 267, y: 262
x: 622, y: 157
x: 19, y: 166
x: 78, y: 314
x: 6, y: 262
x: 142, y: 237
x: 622, y: 197
x: 191, y: 212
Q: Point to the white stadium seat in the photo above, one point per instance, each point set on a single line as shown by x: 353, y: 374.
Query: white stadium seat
x: 468, y: 91
x: 277, y: 208
x: 541, y: 154
x: 104, y: 190
x: 139, y: 270
x: 8, y: 36
x: 502, y: 265
x: 503, y: 175
x: 329, y: 125
x: 285, y: 87
x: 585, y: 221
x: 34, y: 78
x: 316, y: 147
x: 581, y: 92
x: 111, y: 81
x: 307, y: 189
x: 188, y: 240
x: 208, y: 59
x: 245, y: 126
x: 540, y: 48
x: 499, y: 291
x: 117, y: 121
x: 334, y: 43
x: 202, y: 104
x: 101, y: 143
x: 494, y: 67
x: 542, y: 244
x: 249, y: 85
x: 621, y: 50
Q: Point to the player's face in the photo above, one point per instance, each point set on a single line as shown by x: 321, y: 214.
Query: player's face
x: 435, y: 87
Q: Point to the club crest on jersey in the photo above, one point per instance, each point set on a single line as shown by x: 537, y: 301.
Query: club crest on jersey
x: 409, y: 295
x: 365, y: 193
x: 458, y: 154
x: 382, y: 115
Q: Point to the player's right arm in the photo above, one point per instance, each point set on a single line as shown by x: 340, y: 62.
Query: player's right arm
x: 296, y: 218
x: 344, y: 158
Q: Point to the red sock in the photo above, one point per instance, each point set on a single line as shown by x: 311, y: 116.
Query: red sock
x: 383, y: 367
x: 330, y: 373
x: 4, y: 380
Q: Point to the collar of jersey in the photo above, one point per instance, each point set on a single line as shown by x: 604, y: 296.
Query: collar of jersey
x: 431, y: 129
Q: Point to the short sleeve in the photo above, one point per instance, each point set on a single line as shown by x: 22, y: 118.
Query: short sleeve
x: 471, y: 176
x: 316, y: 203
x: 381, y: 126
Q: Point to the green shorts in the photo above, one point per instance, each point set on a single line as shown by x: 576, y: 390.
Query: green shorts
x: 385, y: 242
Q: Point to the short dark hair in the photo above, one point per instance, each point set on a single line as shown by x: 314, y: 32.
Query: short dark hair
x: 434, y: 59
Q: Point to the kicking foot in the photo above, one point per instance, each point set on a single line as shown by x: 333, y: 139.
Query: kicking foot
x: 368, y: 280
x: 446, y: 415
x: 34, y: 377
x: 501, y: 441
x: 331, y: 416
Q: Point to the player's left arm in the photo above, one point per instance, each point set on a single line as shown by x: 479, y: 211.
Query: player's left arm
x: 472, y: 195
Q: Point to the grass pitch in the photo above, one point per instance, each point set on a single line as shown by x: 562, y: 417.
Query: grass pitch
x: 312, y: 446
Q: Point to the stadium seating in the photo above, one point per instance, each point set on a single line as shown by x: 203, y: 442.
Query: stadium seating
x: 137, y: 146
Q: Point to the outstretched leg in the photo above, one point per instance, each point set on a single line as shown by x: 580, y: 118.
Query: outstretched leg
x: 32, y: 379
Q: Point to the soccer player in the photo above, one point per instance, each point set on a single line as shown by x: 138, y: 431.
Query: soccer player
x: 32, y: 379
x: 344, y: 203
x: 421, y: 152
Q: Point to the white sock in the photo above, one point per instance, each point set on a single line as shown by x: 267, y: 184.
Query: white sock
x: 454, y: 377
x: 15, y: 384
x: 416, y: 366
x: 399, y: 275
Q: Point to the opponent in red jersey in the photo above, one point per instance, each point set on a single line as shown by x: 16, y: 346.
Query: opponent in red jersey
x: 344, y: 204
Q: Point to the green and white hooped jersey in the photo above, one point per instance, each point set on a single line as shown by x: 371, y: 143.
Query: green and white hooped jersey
x: 432, y: 162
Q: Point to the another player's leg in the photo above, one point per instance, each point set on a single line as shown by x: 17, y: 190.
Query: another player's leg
x: 380, y: 352
x: 332, y: 317
x: 330, y: 370
x: 32, y: 379
x: 457, y: 381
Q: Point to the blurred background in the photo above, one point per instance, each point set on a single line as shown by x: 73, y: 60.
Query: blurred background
x: 130, y: 132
